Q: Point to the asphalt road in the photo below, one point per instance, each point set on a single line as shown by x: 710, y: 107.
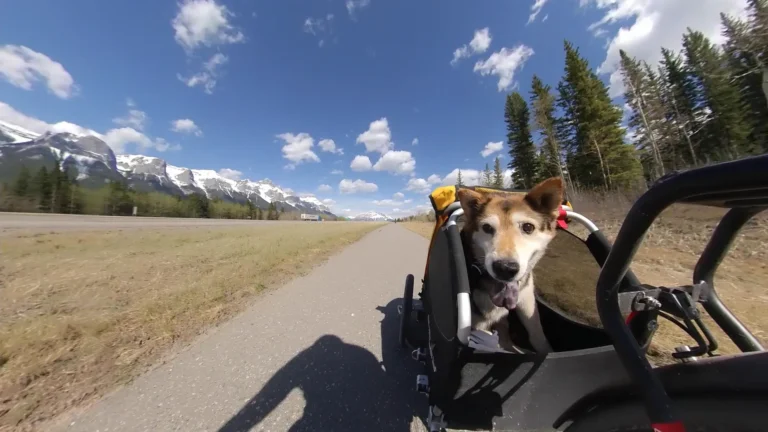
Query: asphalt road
x: 12, y: 222
x: 319, y: 354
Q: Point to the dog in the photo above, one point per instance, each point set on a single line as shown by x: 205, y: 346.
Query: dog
x: 503, y: 237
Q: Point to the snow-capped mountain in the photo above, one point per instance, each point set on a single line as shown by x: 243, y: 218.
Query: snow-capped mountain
x: 10, y: 134
x: 91, y: 157
x: 373, y: 216
x: 95, y: 163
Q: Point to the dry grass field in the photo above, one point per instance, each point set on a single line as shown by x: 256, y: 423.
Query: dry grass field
x: 667, y: 257
x: 81, y: 312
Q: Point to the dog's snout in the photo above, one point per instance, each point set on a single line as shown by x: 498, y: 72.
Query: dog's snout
x: 505, y: 269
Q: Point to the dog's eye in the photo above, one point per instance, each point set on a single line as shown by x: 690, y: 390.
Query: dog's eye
x: 488, y: 229
x: 528, y: 227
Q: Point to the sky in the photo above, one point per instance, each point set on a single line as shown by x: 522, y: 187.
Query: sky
x: 366, y: 104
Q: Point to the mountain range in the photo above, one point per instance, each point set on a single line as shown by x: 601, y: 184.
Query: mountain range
x: 96, y: 164
x: 373, y: 216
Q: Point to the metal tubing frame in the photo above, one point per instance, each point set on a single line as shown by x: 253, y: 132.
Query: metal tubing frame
x: 705, y: 270
x: 746, y: 179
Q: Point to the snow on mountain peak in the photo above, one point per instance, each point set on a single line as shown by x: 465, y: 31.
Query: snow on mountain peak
x: 372, y: 216
x: 12, y: 134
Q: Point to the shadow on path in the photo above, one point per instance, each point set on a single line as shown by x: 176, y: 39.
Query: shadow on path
x: 345, y: 386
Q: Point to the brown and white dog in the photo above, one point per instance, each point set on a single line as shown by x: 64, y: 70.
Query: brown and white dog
x: 504, y: 236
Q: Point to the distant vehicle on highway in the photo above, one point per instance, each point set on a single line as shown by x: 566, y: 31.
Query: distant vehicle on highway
x: 311, y: 217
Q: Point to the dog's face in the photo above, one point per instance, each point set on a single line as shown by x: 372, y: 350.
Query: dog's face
x: 510, y: 232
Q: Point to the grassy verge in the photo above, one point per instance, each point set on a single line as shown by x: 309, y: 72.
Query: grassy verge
x: 667, y: 257
x: 81, y: 312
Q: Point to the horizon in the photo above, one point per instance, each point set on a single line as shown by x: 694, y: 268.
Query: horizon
x: 316, y: 95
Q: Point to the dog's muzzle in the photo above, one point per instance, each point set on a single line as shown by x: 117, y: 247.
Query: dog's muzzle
x: 507, y: 296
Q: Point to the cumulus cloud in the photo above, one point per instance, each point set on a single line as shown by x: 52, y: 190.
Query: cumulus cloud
x: 356, y: 186
x: 415, y: 142
x: 298, y: 148
x: 119, y: 139
x: 231, y: 174
x: 504, y: 64
x: 473, y: 177
x: 206, y: 78
x: 204, y: 23
x: 478, y: 45
x: 361, y: 163
x: 420, y: 185
x: 649, y: 25
x: 186, y: 126
x: 354, y: 5
x: 391, y: 202
x: 22, y: 67
x: 324, y: 188
x: 378, y: 137
x: 329, y: 146
x: 135, y: 118
x: 396, y: 162
x: 536, y: 9
x: 329, y: 202
x: 398, y: 196
x: 491, y: 148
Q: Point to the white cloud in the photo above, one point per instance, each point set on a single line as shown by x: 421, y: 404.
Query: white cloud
x: 434, y: 179
x: 204, y: 23
x: 356, y: 186
x: 649, y: 25
x: 231, y: 174
x: 186, y: 126
x: 491, y: 148
x: 120, y: 138
x: 478, y: 45
x: 391, y: 203
x: 206, y: 78
x: 415, y: 142
x: 353, y: 5
x: 315, y: 26
x: 298, y: 148
x: 396, y: 162
x: 22, y: 67
x: 378, y: 137
x: 361, y: 163
x: 337, y: 172
x: 504, y: 64
x: 324, y: 188
x: 329, y: 202
x: 536, y: 9
x: 398, y: 195
x: 329, y: 146
x: 420, y: 185
x: 546, y: 17
x: 473, y: 177
x: 135, y: 118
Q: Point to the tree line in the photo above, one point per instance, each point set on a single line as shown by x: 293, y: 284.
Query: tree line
x: 56, y: 190
x: 703, y: 105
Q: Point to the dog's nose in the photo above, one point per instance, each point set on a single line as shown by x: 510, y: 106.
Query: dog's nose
x: 505, y: 270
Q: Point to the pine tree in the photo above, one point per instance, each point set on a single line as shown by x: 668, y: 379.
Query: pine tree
x: 62, y: 191
x: 647, y: 117
x: 544, y: 121
x: 727, y: 131
x: 459, y: 182
x: 591, y: 130
x: 680, y: 103
x: 249, y: 209
x: 745, y: 49
x: 498, y: 174
x: 487, y: 176
x: 21, y: 187
x: 521, y: 149
x: 44, y: 189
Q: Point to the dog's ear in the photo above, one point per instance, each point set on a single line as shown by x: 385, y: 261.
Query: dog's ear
x: 546, y: 196
x: 470, y: 200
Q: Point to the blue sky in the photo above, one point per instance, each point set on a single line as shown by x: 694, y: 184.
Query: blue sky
x: 258, y: 85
